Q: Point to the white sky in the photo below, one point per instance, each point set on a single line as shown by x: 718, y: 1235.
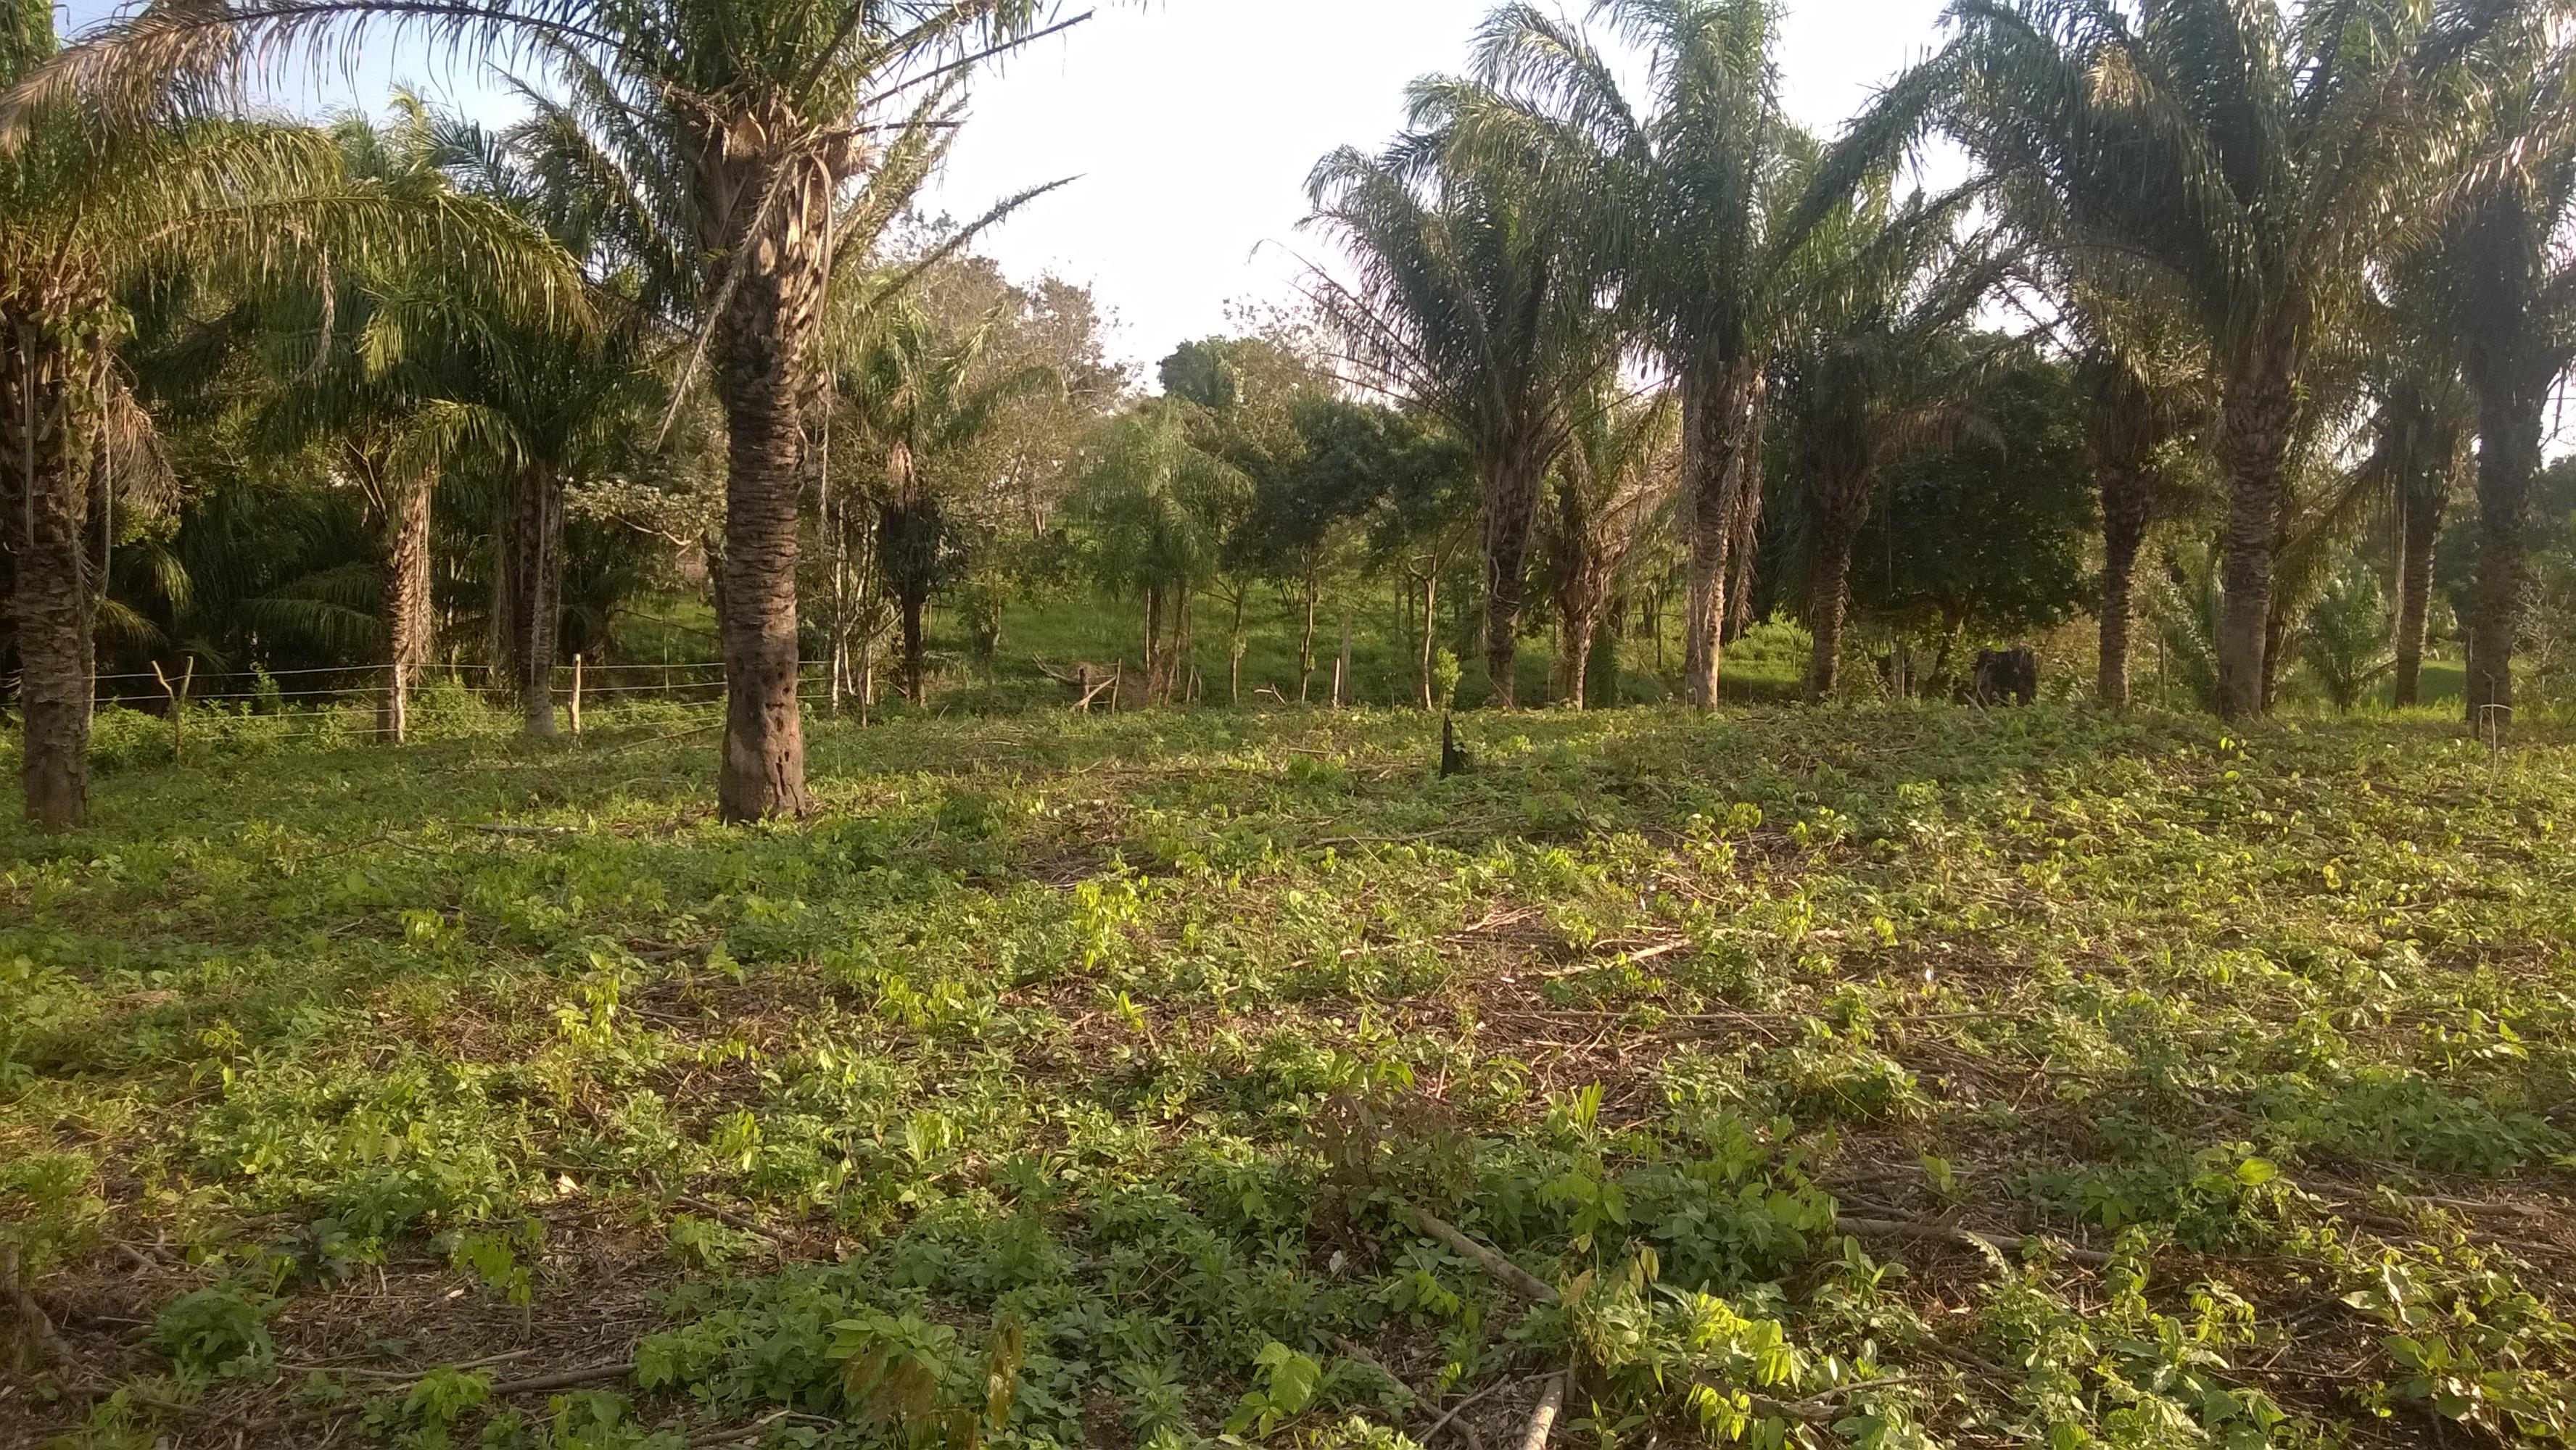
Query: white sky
x: 1192, y: 125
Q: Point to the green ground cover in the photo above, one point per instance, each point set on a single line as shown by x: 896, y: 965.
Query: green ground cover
x: 1883, y: 1077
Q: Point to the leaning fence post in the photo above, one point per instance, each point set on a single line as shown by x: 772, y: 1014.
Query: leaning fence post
x: 576, y: 694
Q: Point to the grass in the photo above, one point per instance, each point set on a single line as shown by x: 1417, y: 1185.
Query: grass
x: 1885, y: 1077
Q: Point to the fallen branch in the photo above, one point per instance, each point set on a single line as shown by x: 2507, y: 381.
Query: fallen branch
x: 1893, y: 1228
x: 1443, y: 1422
x: 1543, y: 1419
x: 404, y: 1376
x: 568, y: 1379
x: 1528, y: 1284
x: 1822, y: 1408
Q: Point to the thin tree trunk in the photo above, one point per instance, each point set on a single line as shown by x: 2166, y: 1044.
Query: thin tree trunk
x: 1825, y: 607
x: 1306, y: 641
x: 2124, y: 530
x: 764, y: 351
x: 1430, y: 635
x: 1182, y: 647
x: 1742, y: 557
x: 54, y: 604
x: 2420, y: 523
x: 2261, y: 412
x: 2509, y: 455
x: 1511, y: 501
x: 1718, y: 404
x: 407, y: 608
x: 1234, y: 648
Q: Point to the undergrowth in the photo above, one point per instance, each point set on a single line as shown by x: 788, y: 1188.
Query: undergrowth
x: 1905, y: 1077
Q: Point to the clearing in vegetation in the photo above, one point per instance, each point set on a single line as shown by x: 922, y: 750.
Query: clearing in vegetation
x: 1894, y: 1077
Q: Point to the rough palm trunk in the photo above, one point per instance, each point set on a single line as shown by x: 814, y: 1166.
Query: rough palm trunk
x: 1827, y: 593
x: 2124, y: 530
x: 1511, y: 499
x: 2420, y: 508
x: 532, y: 587
x: 407, y: 612
x: 1716, y: 404
x: 53, y: 604
x: 1584, y: 576
x: 2261, y: 413
x: 764, y: 345
x: 1742, y: 557
x: 1430, y: 638
x: 2509, y: 454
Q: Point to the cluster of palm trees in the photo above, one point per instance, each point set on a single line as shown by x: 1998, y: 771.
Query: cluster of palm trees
x: 701, y: 179
x: 2268, y: 236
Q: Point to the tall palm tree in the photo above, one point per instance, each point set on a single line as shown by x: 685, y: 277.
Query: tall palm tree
x: 1152, y: 507
x: 1608, y: 485
x: 1874, y: 368
x: 2141, y: 406
x: 2497, y: 283
x: 2420, y: 432
x: 2257, y: 156
x: 1470, y: 301
x: 1674, y: 195
x: 920, y: 398
x: 94, y: 198
x: 740, y: 150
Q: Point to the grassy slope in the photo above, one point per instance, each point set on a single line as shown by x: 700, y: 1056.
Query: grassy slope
x: 1135, y: 1033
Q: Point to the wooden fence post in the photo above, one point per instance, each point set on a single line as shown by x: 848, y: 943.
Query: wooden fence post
x: 178, y: 694
x: 576, y: 695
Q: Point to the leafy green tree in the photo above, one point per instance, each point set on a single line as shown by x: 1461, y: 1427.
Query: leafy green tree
x: 2346, y: 642
x: 1608, y: 487
x: 2257, y: 157
x: 1469, y: 300
x: 922, y: 399
x: 1153, y: 510
x: 1874, y: 370
x: 94, y: 197
x: 1985, y: 538
x: 1673, y: 193
x: 734, y: 152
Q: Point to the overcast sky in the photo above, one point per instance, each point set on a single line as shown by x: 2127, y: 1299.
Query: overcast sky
x: 1192, y: 125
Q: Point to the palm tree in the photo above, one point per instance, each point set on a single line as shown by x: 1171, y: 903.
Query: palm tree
x: 2140, y: 407
x: 736, y: 151
x: 1470, y: 302
x: 2497, y: 283
x: 1873, y: 369
x: 2257, y: 157
x: 1673, y: 196
x: 1153, y: 506
x: 2420, y: 431
x: 920, y: 399
x: 1608, y: 484
x: 92, y: 199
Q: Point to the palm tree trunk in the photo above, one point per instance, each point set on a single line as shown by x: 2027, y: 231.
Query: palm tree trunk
x: 2420, y: 510
x: 1741, y: 554
x: 765, y: 341
x: 2124, y: 530
x: 1511, y: 501
x: 1825, y: 606
x: 1709, y: 436
x: 2261, y: 413
x: 532, y: 581
x: 407, y: 614
x: 54, y: 606
x: 2509, y: 452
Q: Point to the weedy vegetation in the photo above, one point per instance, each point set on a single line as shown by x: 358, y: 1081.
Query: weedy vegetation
x: 1881, y: 1077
